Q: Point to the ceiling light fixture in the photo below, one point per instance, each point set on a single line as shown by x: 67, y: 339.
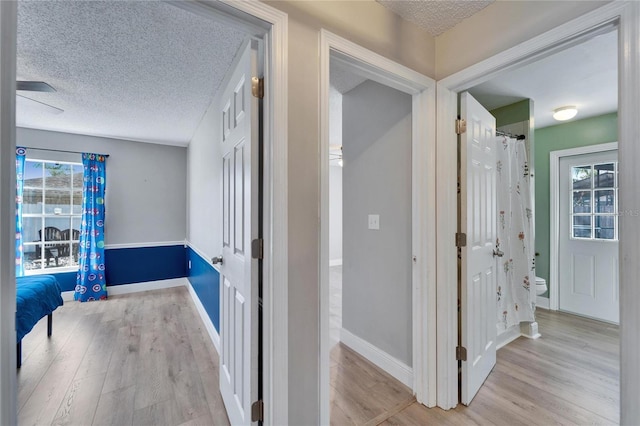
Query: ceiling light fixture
x: 565, y: 113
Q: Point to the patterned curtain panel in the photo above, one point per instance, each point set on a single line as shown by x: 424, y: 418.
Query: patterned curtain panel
x: 20, y: 157
x: 516, y: 269
x: 91, y: 281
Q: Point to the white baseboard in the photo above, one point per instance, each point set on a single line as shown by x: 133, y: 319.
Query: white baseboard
x: 135, y: 287
x: 213, y: 334
x: 507, y: 336
x: 388, y: 363
x: 542, y: 302
x: 529, y: 330
x: 335, y: 262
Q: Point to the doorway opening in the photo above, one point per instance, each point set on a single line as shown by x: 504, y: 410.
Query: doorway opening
x: 378, y: 77
x: 594, y: 32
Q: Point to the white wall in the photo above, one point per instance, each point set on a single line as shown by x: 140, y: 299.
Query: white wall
x: 376, y: 286
x: 145, y: 197
x: 204, y: 189
x: 335, y: 179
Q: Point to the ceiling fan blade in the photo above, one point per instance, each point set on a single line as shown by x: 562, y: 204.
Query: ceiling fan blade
x: 23, y: 101
x: 34, y: 86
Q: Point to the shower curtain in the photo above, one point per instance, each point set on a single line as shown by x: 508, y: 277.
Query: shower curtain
x: 516, y: 269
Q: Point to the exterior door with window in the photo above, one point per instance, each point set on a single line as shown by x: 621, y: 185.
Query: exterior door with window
x: 239, y: 132
x: 588, y: 255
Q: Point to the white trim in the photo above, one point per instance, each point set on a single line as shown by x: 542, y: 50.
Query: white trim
x: 275, y: 278
x: 8, y: 386
x: 335, y: 262
x: 116, y: 290
x: 422, y: 89
x: 144, y: 245
x: 529, y: 330
x: 396, y: 368
x: 504, y: 337
x: 203, y: 255
x: 206, y: 320
x: 628, y: 16
x: 554, y: 212
x: 542, y: 302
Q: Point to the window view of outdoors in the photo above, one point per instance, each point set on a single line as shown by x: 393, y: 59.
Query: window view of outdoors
x: 594, y: 199
x: 52, y: 210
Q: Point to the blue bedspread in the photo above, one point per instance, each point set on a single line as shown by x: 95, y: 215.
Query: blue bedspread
x: 36, y: 297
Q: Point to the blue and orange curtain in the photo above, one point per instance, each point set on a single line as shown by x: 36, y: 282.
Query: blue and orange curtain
x: 20, y: 158
x: 91, y: 281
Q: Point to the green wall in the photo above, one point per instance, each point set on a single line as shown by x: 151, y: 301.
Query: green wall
x: 589, y: 131
x: 513, y: 113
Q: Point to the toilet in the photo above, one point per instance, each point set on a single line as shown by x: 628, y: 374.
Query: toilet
x: 541, y: 286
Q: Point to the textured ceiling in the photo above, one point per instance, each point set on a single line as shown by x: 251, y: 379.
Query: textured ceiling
x: 585, y: 75
x: 139, y: 70
x: 437, y: 16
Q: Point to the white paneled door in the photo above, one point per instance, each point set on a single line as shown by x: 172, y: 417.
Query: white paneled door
x: 479, y: 222
x: 239, y: 132
x: 588, y: 240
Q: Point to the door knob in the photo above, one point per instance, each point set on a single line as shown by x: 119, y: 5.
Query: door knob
x: 216, y: 260
x: 498, y: 253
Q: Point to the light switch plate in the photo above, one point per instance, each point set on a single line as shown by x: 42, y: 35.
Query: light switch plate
x: 374, y: 221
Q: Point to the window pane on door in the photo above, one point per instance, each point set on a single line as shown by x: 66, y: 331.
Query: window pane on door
x: 581, y: 202
x: 604, y: 175
x: 604, y: 201
x: 582, y: 227
x: 605, y: 227
x: 32, y: 201
x: 581, y: 177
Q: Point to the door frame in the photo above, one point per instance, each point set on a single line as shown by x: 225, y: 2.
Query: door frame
x: 627, y: 16
x: 554, y: 212
x: 423, y: 147
x: 275, y: 204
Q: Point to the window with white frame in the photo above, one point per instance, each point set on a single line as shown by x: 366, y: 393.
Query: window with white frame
x: 594, y: 200
x: 51, y: 214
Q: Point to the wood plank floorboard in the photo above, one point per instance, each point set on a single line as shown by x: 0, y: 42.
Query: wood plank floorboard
x: 136, y: 359
x: 569, y: 376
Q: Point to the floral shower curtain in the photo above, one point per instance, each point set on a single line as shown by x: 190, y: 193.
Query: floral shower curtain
x: 516, y: 269
x: 20, y: 158
x: 91, y: 280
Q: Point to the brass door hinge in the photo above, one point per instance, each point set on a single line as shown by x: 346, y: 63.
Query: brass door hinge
x: 461, y: 126
x: 257, y: 411
x: 461, y: 239
x: 461, y: 353
x: 257, y: 87
x: 257, y: 248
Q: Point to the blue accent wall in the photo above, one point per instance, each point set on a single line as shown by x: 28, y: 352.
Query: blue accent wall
x: 205, y: 280
x: 136, y: 265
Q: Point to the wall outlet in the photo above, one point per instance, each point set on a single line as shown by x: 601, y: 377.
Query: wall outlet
x: 374, y: 221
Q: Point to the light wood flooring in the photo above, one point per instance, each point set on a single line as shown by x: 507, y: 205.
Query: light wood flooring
x: 569, y: 376
x: 138, y: 359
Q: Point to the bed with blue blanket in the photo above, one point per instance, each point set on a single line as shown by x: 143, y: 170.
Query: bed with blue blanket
x: 37, y: 296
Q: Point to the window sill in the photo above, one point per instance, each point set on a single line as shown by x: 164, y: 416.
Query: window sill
x: 50, y: 271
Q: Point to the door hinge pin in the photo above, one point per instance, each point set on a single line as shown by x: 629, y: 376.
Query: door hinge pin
x: 461, y: 239
x: 257, y: 248
x: 461, y: 353
x: 257, y: 411
x: 257, y: 87
x: 461, y: 126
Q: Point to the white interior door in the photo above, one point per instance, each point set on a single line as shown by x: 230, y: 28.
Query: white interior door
x: 479, y: 222
x: 238, y: 110
x: 588, y: 243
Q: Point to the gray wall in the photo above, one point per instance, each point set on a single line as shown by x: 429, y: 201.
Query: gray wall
x: 335, y: 177
x: 146, y: 183
x: 204, y: 188
x: 376, y: 287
